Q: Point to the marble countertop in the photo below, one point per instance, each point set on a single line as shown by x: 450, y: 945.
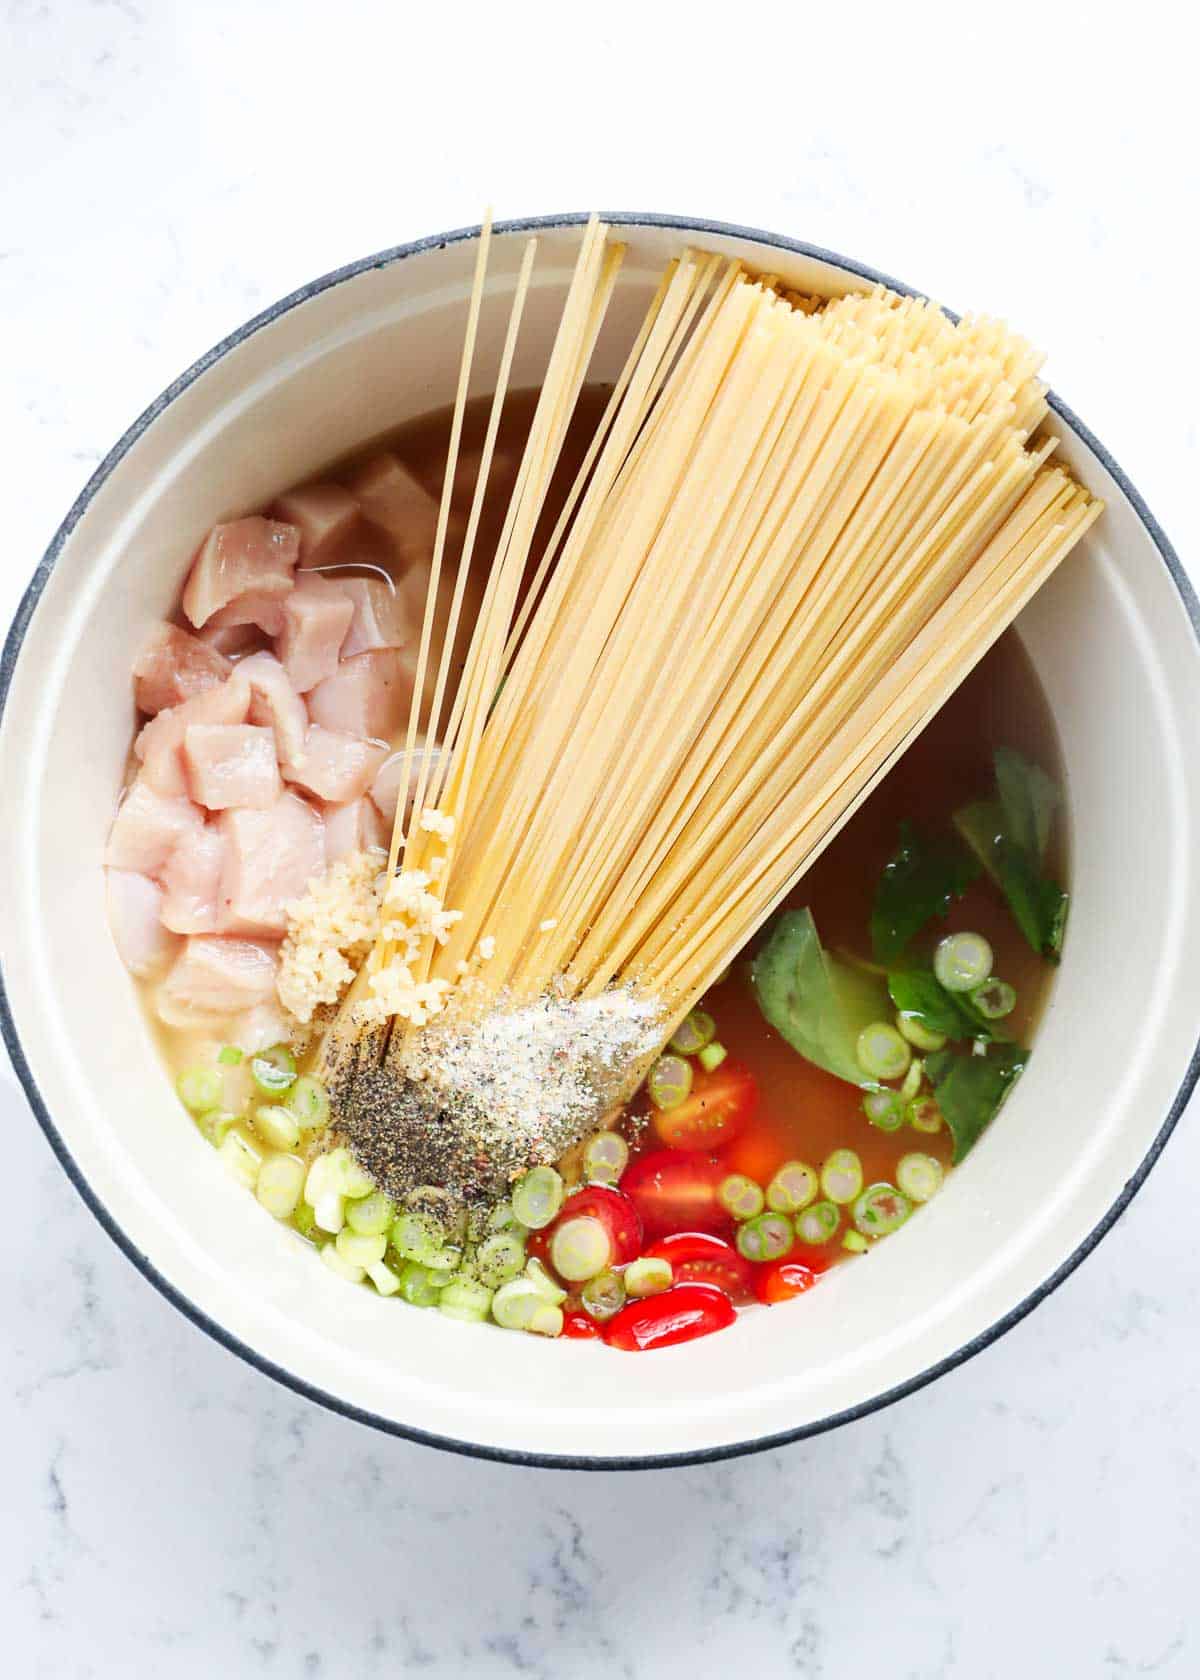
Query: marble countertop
x: 168, y: 169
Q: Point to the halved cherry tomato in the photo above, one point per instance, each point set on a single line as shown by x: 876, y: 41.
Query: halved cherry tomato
x: 676, y: 1190
x: 714, y: 1112
x: 679, y: 1314
x: 579, y: 1327
x: 783, y: 1280
x: 699, y: 1257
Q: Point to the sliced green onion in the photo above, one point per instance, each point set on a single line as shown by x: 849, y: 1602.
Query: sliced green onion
x: 918, y: 1034
x: 308, y: 1100
x: 880, y: 1210
x: 466, y: 1300
x: 305, y: 1224
x: 340, y: 1266
x: 768, y: 1237
x: 962, y: 961
x: 537, y: 1197
x: 346, y: 1175
x: 884, y: 1109
x: 446, y: 1262
x: 215, y: 1124
x: 740, y: 1196
x: 416, y: 1238
x: 924, y: 1115
x: 360, y: 1249
x: 499, y: 1258
x: 818, y: 1223
x: 242, y: 1155
x: 419, y: 1286
x: 280, y: 1184
x: 605, y: 1157
x: 793, y: 1187
x: 329, y: 1211
x: 919, y: 1176
x: 711, y: 1057
x: 669, y: 1081
x: 276, y: 1126
x: 199, y: 1089
x: 274, y: 1070
x: 386, y: 1281
x: 371, y: 1216
x: 230, y: 1056
x: 546, y: 1321
x: 692, y: 1034
x: 881, y: 1051
x: 994, y: 999
x: 911, y: 1083
x: 502, y: 1218
x: 541, y: 1279
x: 520, y: 1305
x: 602, y: 1297
x: 648, y: 1277
x: 855, y: 1242
x: 580, y: 1249
x: 841, y: 1176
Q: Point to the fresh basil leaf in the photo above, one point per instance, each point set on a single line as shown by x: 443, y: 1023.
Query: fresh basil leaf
x: 919, y: 995
x: 970, y: 1089
x: 918, y: 883
x: 1029, y: 799
x: 1038, y: 904
x: 817, y: 1002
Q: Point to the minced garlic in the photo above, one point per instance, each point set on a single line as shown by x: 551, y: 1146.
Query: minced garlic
x: 330, y: 931
x: 436, y: 822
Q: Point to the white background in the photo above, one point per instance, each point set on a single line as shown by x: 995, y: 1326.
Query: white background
x: 166, y: 169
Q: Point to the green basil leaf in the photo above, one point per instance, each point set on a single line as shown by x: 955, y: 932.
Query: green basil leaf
x: 1029, y: 799
x: 970, y: 1089
x: 918, y: 883
x: 919, y: 995
x: 814, y: 1000
x: 1038, y: 904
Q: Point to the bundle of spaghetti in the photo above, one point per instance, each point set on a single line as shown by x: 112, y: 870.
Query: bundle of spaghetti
x: 794, y: 534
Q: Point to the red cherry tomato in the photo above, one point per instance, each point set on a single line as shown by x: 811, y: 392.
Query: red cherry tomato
x: 676, y: 1190
x: 579, y: 1327
x: 679, y: 1314
x: 698, y: 1257
x: 715, y: 1111
x: 783, y: 1280
x: 616, y: 1212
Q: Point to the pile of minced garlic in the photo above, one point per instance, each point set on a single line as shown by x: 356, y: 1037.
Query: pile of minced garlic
x: 330, y: 931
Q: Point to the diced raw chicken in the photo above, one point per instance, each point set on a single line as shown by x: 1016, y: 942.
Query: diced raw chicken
x: 147, y: 829
x: 380, y: 619
x: 352, y: 828
x: 324, y: 514
x: 231, y: 765
x: 173, y: 666
x: 216, y: 977
x: 385, y: 789
x: 144, y: 945
x: 233, y: 640
x: 261, y: 1027
x: 160, y: 743
x: 393, y: 499
x: 192, y: 879
x: 272, y: 856
x: 257, y: 609
x: 336, y: 767
x: 274, y: 701
x: 245, y: 554
x: 368, y: 695
x: 316, y: 616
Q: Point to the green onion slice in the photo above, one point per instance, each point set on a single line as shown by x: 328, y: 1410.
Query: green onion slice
x: 882, y: 1053
x: 740, y: 1196
x: 842, y: 1176
x: 880, y: 1210
x: 692, y: 1034
x: 919, y: 1176
x: 669, y: 1081
x: 768, y: 1237
x: 962, y: 961
x: 274, y: 1070
x: 793, y: 1187
x: 818, y: 1223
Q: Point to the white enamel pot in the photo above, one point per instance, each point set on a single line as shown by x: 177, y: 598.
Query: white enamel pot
x: 1115, y: 640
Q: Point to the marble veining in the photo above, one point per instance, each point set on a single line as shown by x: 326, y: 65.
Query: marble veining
x: 170, y: 168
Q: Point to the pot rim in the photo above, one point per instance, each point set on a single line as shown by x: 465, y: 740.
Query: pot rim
x: 8, y: 1031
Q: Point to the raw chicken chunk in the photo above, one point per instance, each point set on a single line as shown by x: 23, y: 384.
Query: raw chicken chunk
x: 336, y: 767
x: 399, y: 504
x: 245, y: 556
x: 147, y: 829
x: 215, y: 977
x: 271, y: 857
x: 135, y: 902
x: 160, y: 744
x: 274, y: 701
x: 316, y: 616
x: 368, y: 695
x: 324, y: 514
x: 385, y: 789
x: 233, y: 640
x: 173, y: 666
x: 192, y: 879
x: 352, y: 828
x: 380, y: 619
x: 231, y: 765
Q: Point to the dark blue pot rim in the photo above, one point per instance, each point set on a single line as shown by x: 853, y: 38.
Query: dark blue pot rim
x: 561, y: 1461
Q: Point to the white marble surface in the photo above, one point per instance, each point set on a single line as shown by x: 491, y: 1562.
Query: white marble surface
x: 167, y: 169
